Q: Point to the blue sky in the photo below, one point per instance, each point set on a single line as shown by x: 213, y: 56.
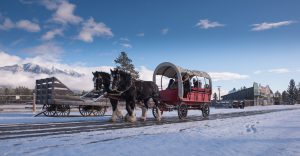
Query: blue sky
x: 210, y: 35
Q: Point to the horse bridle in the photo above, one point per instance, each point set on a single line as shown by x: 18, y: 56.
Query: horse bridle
x: 96, y: 82
x: 127, y: 88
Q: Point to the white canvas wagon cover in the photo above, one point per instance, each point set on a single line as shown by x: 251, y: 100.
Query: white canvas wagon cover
x: 170, y: 70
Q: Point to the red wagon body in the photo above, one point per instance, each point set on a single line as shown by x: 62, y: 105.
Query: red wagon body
x: 183, y: 96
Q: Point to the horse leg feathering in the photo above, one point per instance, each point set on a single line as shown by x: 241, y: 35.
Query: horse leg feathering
x: 158, y: 112
x: 144, y: 114
x: 114, y: 116
x: 132, y: 117
x: 114, y: 104
x: 119, y: 113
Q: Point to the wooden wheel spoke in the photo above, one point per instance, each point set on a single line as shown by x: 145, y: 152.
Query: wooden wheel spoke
x: 205, y: 110
x: 182, y: 111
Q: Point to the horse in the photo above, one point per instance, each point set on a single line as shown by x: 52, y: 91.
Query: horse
x: 133, y: 91
x: 102, y: 81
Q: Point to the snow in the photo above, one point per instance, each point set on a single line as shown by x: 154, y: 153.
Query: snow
x: 18, y: 118
x: 266, y: 134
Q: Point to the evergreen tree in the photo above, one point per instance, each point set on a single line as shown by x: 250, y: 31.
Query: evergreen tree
x: 284, y: 96
x: 277, y: 98
x: 277, y: 94
x: 6, y: 91
x: 215, y: 97
x: 123, y: 62
x: 292, y: 91
x: 298, y: 95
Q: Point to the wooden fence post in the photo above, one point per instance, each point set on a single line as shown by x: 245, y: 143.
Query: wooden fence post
x: 33, y: 104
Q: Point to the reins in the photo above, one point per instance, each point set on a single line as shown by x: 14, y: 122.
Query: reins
x: 120, y: 92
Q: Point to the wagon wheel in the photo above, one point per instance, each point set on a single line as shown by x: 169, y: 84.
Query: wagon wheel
x: 85, y: 110
x: 205, y: 110
x: 182, y: 111
x: 49, y: 110
x: 99, y: 110
x: 155, y: 111
x: 62, y: 110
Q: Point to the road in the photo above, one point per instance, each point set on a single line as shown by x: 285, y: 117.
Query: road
x: 14, y: 131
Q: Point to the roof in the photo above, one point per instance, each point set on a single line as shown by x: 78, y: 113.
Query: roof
x: 170, y: 70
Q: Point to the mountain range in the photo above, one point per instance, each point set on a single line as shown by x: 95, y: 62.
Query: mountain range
x: 37, y: 69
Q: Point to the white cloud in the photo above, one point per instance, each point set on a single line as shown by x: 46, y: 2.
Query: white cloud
x: 28, y: 26
x: 50, y: 4
x: 92, y: 28
x: 52, y: 33
x: 77, y: 83
x: 257, y: 72
x: 279, y: 70
x: 266, y: 26
x: 49, y: 51
x: 6, y: 59
x: 206, y: 24
x: 140, y: 34
x: 64, y: 13
x: 28, y: 79
x: 22, y: 24
x: 17, y: 42
x: 221, y: 76
x: 164, y: 31
x: 124, y: 39
x: 7, y: 24
x: 126, y: 45
x: 145, y: 73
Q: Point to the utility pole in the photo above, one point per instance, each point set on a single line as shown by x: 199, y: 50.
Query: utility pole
x: 219, y: 89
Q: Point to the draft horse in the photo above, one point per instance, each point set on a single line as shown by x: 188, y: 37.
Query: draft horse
x: 102, y: 82
x: 134, y: 91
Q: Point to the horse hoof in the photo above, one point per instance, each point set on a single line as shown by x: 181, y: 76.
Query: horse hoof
x: 132, y: 119
x: 143, y: 119
x: 119, y: 114
x: 158, y: 119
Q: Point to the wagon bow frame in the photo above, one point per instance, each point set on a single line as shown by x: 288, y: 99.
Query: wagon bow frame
x: 171, y: 70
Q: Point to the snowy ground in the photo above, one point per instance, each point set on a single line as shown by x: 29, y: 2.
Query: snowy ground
x: 267, y: 134
x: 15, y: 118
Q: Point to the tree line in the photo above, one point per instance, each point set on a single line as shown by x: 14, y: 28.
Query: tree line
x: 20, y: 90
x: 289, y: 96
x: 12, y: 95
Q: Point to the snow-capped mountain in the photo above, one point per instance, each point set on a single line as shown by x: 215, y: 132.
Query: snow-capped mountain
x: 37, y: 69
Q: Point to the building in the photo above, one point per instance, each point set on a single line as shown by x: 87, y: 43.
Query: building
x: 253, y: 96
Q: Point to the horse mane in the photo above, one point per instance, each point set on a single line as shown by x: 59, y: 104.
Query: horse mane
x: 104, y: 74
x: 128, y: 76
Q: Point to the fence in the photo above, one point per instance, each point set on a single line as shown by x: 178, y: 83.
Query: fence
x: 18, y: 103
